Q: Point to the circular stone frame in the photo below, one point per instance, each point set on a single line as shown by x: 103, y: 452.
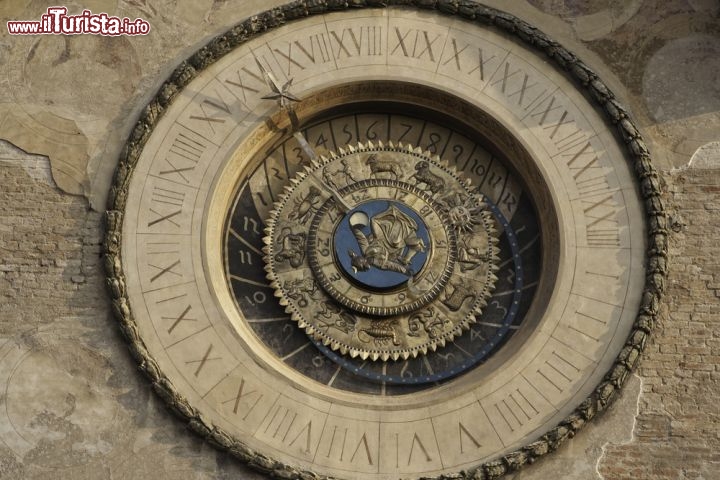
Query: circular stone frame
x: 586, y: 81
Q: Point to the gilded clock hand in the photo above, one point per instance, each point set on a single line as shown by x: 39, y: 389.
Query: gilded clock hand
x: 286, y: 101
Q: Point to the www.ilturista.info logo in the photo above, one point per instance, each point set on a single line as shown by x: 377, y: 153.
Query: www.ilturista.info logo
x: 57, y: 22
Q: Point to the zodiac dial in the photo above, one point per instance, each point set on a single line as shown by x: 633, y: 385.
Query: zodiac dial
x: 368, y: 263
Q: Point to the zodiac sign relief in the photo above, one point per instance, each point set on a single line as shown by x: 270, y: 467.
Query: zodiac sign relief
x: 381, y: 332
x: 337, y: 179
x: 431, y: 323
x: 301, y: 290
x: 456, y: 294
x: 423, y: 176
x: 292, y: 247
x: 334, y: 316
x: 388, y: 168
x: 306, y: 207
x: 464, y: 211
x: 472, y: 252
x: 391, y: 245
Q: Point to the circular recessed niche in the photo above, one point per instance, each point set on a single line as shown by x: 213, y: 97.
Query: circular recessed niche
x: 458, y: 137
x: 483, y: 134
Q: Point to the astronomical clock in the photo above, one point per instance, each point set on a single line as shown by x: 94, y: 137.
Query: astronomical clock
x: 377, y: 242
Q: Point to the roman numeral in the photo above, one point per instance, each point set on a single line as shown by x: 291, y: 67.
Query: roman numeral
x: 237, y: 398
x: 164, y: 197
x: 304, y: 436
x: 563, y: 130
x: 608, y: 237
x: 281, y: 414
x: 188, y: 148
x: 570, y: 140
x: 579, y: 163
x: 360, y: 41
x: 464, y: 436
x: 214, y: 110
x: 603, y: 275
x: 558, y: 369
x: 201, y: 362
x: 564, y: 120
x: 415, y: 44
x: 602, y: 227
x: 458, y: 57
x: 316, y: 49
x: 543, y: 114
x: 521, y: 91
x: 604, y: 214
x: 363, y: 442
x: 165, y: 270
x: 558, y: 372
x: 412, y: 446
x: 184, y: 314
x: 183, y: 156
x: 480, y: 68
x: 158, y: 248
x: 597, y: 200
x: 291, y: 429
x: 359, y: 450
x: 183, y: 317
x: 240, y: 82
x: 507, y: 74
x: 168, y: 196
x: 515, y: 410
x: 592, y: 186
x: 164, y: 263
x: 421, y: 450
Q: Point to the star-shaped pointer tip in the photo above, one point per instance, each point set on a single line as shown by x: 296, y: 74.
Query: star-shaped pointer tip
x: 286, y: 99
x: 280, y: 93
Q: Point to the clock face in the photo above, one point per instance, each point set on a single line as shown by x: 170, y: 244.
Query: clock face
x: 436, y: 266
x: 517, y: 267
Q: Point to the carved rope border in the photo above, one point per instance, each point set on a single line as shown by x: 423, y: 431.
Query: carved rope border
x: 469, y: 10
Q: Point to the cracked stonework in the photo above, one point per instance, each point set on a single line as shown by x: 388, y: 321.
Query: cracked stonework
x: 707, y: 156
x: 36, y: 166
x: 581, y: 458
x: 633, y: 389
x: 60, y: 139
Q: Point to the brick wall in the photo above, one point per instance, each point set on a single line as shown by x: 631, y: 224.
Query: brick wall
x: 49, y: 250
x: 72, y: 404
x: 677, y: 434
